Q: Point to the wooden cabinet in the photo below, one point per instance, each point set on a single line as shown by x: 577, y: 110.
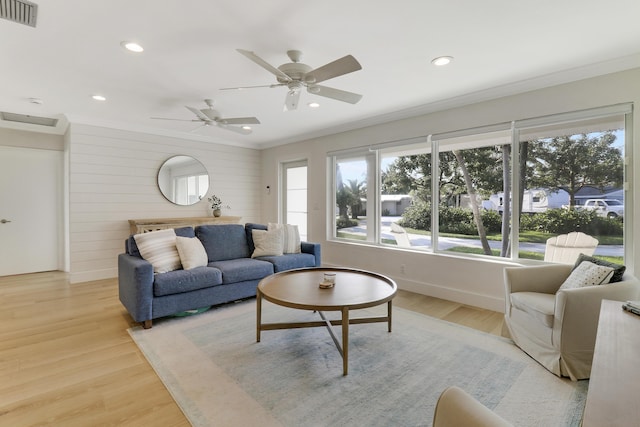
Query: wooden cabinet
x: 137, y: 226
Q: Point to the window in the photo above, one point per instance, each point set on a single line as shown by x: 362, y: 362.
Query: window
x: 472, y: 168
x: 405, y: 195
x: 354, y: 198
x: 500, y: 190
x: 577, y: 170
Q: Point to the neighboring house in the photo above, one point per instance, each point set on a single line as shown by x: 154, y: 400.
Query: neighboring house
x: 394, y: 204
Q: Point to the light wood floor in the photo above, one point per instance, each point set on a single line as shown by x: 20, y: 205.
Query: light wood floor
x: 66, y: 358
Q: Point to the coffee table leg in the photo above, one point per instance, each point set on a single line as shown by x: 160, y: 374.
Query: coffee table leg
x: 258, y: 315
x: 389, y: 314
x: 345, y: 340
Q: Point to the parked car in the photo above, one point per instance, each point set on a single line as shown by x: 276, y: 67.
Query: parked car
x: 609, y: 208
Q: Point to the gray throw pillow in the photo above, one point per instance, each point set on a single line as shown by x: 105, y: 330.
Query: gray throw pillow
x: 618, y: 270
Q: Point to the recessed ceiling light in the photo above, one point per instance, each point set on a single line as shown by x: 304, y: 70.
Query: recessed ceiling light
x: 98, y: 97
x: 246, y: 127
x: 442, y: 60
x: 132, y: 46
x: 313, y: 105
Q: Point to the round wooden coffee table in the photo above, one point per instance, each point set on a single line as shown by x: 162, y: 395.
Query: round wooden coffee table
x: 354, y: 289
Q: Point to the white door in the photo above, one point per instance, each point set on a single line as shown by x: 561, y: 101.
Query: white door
x: 294, y: 191
x: 30, y: 210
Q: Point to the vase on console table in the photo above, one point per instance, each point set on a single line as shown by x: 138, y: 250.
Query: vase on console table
x: 217, y: 212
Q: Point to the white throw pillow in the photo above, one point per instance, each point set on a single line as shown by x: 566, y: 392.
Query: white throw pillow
x: 290, y: 237
x: 267, y: 242
x: 192, y: 253
x: 159, y: 248
x: 587, y: 274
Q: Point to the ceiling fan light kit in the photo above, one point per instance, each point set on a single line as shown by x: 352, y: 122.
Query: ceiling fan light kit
x: 296, y: 75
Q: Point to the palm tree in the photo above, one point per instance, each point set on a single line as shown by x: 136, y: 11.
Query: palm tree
x: 358, y: 191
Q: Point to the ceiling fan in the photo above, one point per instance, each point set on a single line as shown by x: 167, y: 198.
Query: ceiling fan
x: 296, y: 75
x: 209, y: 117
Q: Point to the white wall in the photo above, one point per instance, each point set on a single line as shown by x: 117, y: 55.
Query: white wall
x: 470, y: 281
x: 112, y: 178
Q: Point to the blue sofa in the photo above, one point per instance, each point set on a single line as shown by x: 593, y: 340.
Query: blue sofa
x: 230, y: 275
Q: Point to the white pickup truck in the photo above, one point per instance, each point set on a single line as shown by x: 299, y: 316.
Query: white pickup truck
x: 609, y: 208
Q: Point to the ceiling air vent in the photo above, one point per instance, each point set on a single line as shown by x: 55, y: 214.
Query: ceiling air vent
x: 32, y: 120
x: 20, y: 11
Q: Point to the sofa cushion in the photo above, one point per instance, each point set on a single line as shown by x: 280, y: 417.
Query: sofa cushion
x: 179, y: 281
x: 587, y: 274
x: 159, y: 248
x: 290, y: 237
x: 538, y: 305
x: 132, y: 249
x: 192, y: 253
x: 290, y: 261
x: 223, y: 241
x: 618, y: 270
x: 267, y: 242
x: 241, y: 269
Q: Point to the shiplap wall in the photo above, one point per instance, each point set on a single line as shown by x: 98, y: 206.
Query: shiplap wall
x: 112, y: 178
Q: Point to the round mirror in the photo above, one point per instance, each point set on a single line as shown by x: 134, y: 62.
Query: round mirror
x: 183, y: 180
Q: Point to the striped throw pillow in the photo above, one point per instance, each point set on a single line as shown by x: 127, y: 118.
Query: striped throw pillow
x: 159, y: 248
x: 291, y: 237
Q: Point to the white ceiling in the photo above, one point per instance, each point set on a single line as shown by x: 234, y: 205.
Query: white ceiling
x: 499, y: 46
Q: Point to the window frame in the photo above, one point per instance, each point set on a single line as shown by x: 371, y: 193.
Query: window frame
x: 515, y: 127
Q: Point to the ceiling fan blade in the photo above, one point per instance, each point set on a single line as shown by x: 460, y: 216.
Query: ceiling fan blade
x: 235, y: 129
x: 195, y: 129
x: 179, y: 120
x: 240, y: 121
x: 339, y: 67
x: 340, y: 95
x: 198, y: 113
x: 252, y: 87
x: 292, y: 99
x: 264, y: 64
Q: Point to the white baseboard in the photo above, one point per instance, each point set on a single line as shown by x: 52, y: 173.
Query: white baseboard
x: 461, y: 296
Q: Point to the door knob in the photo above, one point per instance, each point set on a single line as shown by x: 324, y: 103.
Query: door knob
x: 4, y: 221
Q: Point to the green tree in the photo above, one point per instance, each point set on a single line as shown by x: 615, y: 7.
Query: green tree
x: 573, y: 162
x: 358, y: 191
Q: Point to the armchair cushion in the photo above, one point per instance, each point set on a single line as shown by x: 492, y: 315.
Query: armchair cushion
x: 587, y: 274
x: 538, y: 305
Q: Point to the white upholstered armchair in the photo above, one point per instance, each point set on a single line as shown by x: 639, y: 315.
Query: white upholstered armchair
x: 457, y: 408
x: 557, y: 327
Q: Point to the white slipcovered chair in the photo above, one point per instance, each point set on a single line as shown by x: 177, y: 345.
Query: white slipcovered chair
x: 557, y: 327
x: 456, y: 408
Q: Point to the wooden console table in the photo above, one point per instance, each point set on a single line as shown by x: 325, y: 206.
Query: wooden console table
x: 137, y: 226
x: 614, y: 385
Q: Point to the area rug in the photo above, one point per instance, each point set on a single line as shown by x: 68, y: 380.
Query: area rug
x: 220, y: 376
